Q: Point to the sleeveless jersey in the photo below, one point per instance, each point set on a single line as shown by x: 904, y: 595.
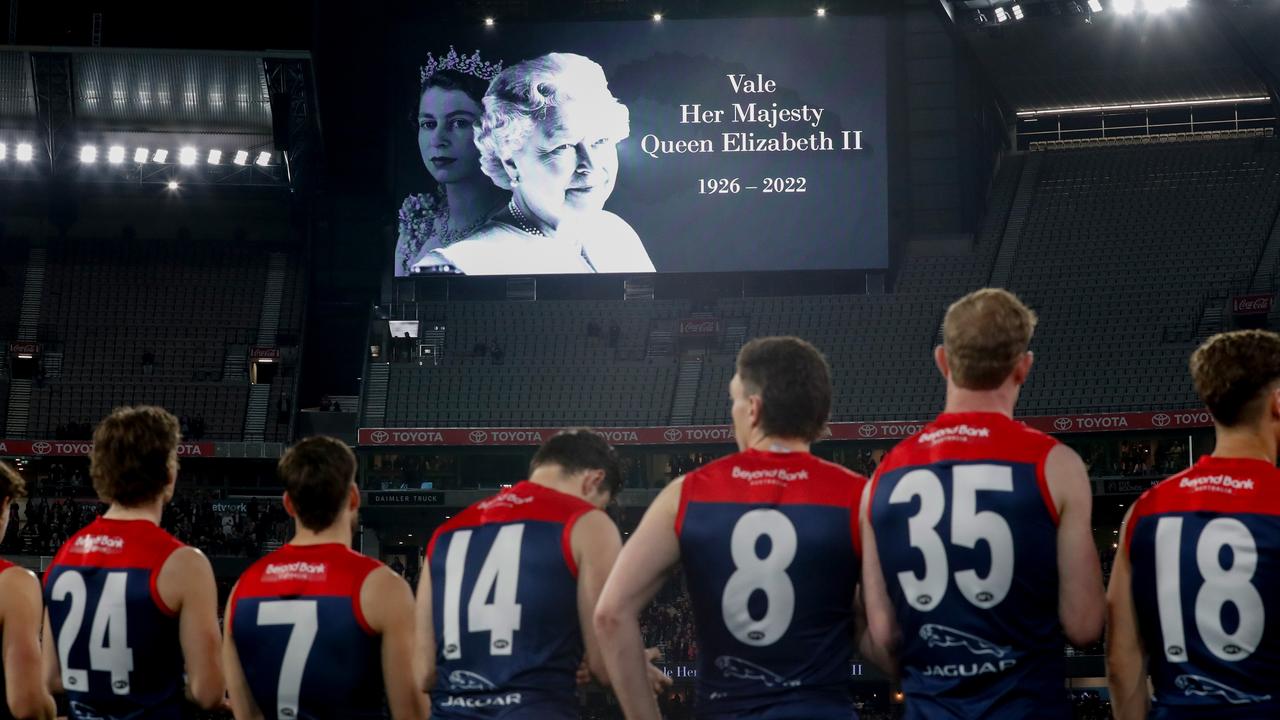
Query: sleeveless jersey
x: 117, y: 642
x: 504, y: 590
x: 302, y: 639
x: 1205, y: 551
x: 966, y: 532
x: 771, y: 554
x: 4, y: 699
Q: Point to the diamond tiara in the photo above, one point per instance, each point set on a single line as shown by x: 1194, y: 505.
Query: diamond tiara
x: 468, y: 64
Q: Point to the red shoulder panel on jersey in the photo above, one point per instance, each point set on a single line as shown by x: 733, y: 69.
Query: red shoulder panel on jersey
x: 1231, y: 486
x: 754, y: 477
x: 329, y: 570
x: 124, y: 544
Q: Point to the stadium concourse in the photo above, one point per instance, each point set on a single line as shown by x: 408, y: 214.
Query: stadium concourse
x: 179, y: 227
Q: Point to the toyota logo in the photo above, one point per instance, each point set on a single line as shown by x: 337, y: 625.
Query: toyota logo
x: 478, y: 436
x: 868, y: 430
x: 1160, y: 419
x: 672, y: 434
x: 379, y: 436
x: 41, y: 448
x: 1062, y: 423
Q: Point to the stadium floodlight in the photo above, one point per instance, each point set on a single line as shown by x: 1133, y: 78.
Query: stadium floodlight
x: 173, y: 185
x: 88, y: 154
x: 160, y: 156
x: 242, y: 157
x: 488, y: 22
x: 1124, y: 7
x: 822, y: 12
x: 264, y: 158
x: 1017, y: 12
x: 657, y: 17
x: 140, y: 156
x: 1001, y: 15
x: 187, y: 156
x: 215, y: 157
x: 23, y: 152
x: 4, y: 151
x: 1095, y: 5
x: 115, y: 155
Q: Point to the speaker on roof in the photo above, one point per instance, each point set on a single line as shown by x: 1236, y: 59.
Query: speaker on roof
x: 280, y: 120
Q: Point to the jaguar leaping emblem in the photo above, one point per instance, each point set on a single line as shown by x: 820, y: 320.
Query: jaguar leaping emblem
x: 467, y: 680
x: 1200, y: 685
x: 734, y: 667
x: 941, y: 636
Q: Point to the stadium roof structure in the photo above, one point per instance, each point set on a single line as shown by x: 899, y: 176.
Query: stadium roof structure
x: 1063, y: 56
x: 255, y: 109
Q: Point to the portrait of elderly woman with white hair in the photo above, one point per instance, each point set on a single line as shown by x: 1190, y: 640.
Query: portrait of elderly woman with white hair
x: 549, y: 133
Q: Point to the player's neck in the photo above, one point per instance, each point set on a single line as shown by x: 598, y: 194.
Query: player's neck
x: 1245, y: 442
x: 1001, y: 400
x: 552, y: 477
x: 770, y: 443
x: 150, y: 512
x: 338, y: 533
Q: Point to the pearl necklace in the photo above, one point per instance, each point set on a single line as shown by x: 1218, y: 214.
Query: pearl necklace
x: 522, y: 221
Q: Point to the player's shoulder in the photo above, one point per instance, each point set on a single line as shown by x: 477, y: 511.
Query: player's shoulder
x: 15, y: 578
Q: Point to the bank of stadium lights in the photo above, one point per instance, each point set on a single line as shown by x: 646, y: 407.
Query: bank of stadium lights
x: 657, y: 17
x: 173, y: 185
x: 160, y: 156
x: 821, y: 12
x: 1095, y: 6
x: 241, y: 158
x: 1001, y: 15
x: 23, y: 152
x: 1017, y: 12
x: 115, y: 155
x: 140, y: 156
x: 187, y: 156
x: 489, y: 22
x: 264, y: 159
x: 215, y: 157
x: 88, y: 154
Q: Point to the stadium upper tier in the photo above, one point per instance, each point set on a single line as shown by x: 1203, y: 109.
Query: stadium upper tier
x: 1129, y: 255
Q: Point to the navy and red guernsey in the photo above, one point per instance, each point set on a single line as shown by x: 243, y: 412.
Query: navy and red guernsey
x: 4, y: 700
x: 302, y: 638
x: 117, y: 642
x: 966, y: 532
x: 771, y: 554
x: 1205, y: 550
x: 504, y: 593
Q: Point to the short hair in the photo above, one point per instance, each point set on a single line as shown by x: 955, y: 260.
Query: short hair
x: 12, y: 486
x: 985, y: 334
x: 794, y: 383
x: 1232, y: 369
x: 531, y: 93
x: 579, y: 449
x: 317, y: 474
x: 446, y: 79
x: 135, y: 450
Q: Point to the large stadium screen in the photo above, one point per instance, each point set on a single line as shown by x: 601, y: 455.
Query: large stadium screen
x: 633, y: 147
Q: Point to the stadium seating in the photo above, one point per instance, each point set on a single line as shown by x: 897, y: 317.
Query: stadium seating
x: 1127, y: 253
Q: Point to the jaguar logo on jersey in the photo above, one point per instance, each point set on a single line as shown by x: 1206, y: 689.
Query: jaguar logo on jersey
x: 463, y: 701
x: 943, y: 636
x: 305, y: 571
x: 959, y: 432
x: 1205, y: 687
x: 467, y: 680
x: 104, y: 544
x: 1215, y: 483
x: 735, y: 667
x: 771, y: 476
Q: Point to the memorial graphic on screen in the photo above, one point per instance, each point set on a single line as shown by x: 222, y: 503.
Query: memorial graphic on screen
x: 638, y: 147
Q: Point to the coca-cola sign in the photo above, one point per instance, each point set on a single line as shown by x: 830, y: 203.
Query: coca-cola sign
x: 699, y: 327
x: 24, y: 348
x: 264, y: 353
x: 1256, y: 304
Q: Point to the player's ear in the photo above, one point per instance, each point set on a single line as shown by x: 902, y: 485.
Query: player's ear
x: 288, y: 505
x: 940, y: 360
x: 1023, y: 368
x: 591, y: 481
x: 353, y: 498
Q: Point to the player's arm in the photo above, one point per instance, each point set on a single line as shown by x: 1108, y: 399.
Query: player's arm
x: 49, y: 651
x: 637, y: 576
x: 243, y: 705
x: 187, y: 586
x: 387, y: 602
x: 880, y: 641
x: 1126, y: 661
x: 595, y: 544
x: 425, y: 649
x: 20, y: 614
x: 1081, y: 599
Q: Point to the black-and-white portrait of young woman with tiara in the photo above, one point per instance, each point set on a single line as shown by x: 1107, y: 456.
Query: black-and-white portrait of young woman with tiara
x: 449, y: 106
x: 549, y: 134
